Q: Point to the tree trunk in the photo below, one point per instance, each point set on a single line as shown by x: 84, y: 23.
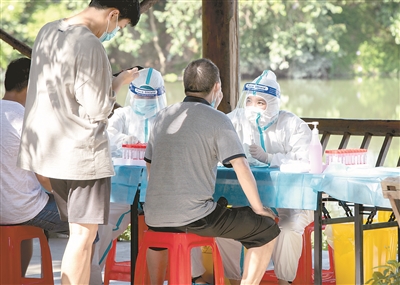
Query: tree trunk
x: 159, y: 51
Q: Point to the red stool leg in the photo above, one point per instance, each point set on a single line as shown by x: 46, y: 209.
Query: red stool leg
x: 10, y: 240
x: 110, y: 262
x: 179, y: 247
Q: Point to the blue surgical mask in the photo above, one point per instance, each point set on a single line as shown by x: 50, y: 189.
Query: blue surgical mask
x: 213, y: 103
x: 108, y: 36
x: 145, y: 107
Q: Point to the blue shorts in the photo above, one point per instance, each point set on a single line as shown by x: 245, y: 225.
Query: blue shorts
x: 49, y: 219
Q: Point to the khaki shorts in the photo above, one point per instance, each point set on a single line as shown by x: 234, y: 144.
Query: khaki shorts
x: 83, y: 201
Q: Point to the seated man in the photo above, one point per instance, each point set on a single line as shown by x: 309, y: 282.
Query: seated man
x: 270, y: 136
x: 187, y: 142
x: 23, y: 201
x: 129, y: 124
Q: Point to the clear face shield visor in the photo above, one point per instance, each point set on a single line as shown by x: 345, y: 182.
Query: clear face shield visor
x: 146, y: 101
x: 271, y: 97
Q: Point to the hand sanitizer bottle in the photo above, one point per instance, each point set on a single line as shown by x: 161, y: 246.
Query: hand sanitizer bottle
x: 315, y: 151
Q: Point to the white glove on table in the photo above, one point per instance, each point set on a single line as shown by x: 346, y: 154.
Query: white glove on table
x: 258, y: 153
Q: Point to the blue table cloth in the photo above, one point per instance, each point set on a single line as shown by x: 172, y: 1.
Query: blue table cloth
x: 125, y: 183
x: 277, y: 189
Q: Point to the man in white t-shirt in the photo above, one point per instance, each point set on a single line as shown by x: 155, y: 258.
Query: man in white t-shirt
x: 71, y: 94
x: 22, y: 198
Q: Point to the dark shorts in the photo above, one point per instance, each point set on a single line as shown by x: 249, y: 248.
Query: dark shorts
x: 49, y: 219
x: 83, y: 201
x: 240, y: 224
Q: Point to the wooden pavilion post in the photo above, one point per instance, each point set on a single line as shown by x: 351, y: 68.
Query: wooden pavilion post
x: 221, y: 45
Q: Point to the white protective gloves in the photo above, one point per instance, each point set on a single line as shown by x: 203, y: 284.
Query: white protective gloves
x: 129, y: 139
x: 258, y: 153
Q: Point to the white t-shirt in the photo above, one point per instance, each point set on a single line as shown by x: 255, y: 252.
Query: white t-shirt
x: 21, y: 196
x: 67, y: 105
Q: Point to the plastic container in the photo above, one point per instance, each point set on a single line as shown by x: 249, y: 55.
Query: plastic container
x: 346, y: 156
x: 315, y: 151
x: 380, y: 245
x: 134, y: 151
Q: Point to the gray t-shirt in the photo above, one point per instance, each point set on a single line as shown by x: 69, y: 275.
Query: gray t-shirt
x: 187, y: 142
x: 68, y: 102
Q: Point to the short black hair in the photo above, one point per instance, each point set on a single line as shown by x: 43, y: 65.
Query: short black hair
x: 200, y: 76
x: 128, y: 9
x: 17, y: 74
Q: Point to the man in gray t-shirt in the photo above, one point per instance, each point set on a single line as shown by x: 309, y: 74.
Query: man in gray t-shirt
x: 187, y: 142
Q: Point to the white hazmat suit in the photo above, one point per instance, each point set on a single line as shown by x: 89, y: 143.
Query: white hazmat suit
x: 130, y: 124
x: 270, y: 137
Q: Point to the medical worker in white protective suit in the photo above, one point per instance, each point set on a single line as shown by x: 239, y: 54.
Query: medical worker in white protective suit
x: 132, y: 124
x: 270, y: 136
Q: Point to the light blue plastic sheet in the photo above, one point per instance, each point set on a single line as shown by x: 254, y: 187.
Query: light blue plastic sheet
x: 143, y: 186
x: 276, y: 189
x: 125, y: 183
x: 362, y: 186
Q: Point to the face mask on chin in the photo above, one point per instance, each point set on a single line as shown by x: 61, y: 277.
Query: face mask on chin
x: 108, y: 36
x: 213, y: 103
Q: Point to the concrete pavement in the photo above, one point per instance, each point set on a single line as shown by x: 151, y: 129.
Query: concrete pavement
x: 57, y: 247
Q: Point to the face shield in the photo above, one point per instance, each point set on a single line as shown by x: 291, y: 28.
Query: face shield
x: 146, y: 94
x: 257, y: 109
x: 260, y: 99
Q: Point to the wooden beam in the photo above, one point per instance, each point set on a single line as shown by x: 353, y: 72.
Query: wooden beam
x: 357, y: 127
x: 16, y: 44
x: 220, y: 44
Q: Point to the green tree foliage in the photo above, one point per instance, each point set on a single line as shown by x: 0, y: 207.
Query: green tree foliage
x: 371, y: 45
x: 297, y: 39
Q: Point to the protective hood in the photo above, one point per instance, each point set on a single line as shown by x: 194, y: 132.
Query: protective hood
x: 266, y: 87
x: 146, y: 94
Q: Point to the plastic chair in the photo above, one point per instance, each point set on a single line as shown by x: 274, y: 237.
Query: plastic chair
x: 179, y: 247
x: 305, y: 272
x: 10, y: 249
x: 114, y: 270
x: 121, y: 270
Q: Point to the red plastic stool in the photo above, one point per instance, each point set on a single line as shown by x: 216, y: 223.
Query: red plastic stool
x: 328, y: 275
x: 179, y: 246
x: 10, y: 249
x: 305, y: 272
x: 114, y: 270
x: 121, y: 270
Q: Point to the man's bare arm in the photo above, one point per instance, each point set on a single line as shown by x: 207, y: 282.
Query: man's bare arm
x: 45, y: 182
x: 249, y: 186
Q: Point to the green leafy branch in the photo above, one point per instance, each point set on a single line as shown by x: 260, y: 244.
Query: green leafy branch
x: 390, y: 274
